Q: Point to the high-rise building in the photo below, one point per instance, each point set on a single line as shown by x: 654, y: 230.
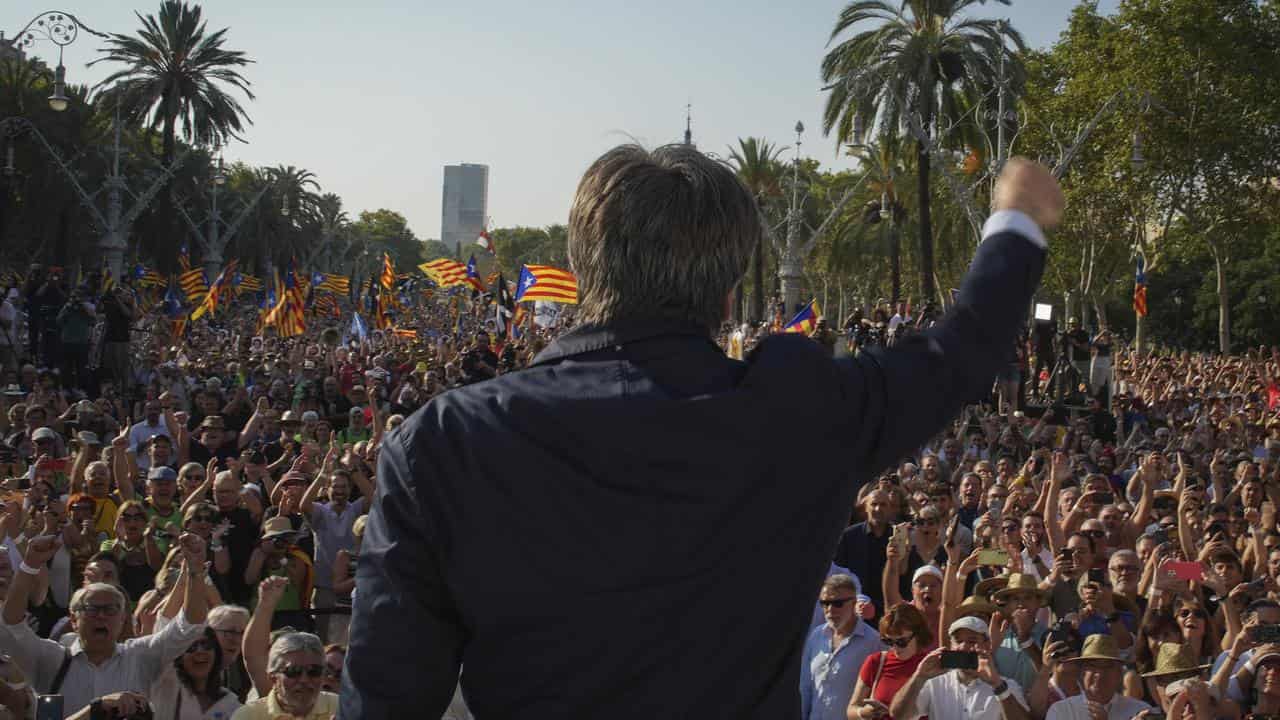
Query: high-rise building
x: 465, y: 206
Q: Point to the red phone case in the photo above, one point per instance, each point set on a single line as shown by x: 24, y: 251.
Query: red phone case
x: 1184, y: 569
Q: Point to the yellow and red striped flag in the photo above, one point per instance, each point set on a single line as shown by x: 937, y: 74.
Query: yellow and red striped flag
x: 543, y: 282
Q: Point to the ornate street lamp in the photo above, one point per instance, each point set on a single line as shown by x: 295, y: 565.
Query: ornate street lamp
x: 61, y: 28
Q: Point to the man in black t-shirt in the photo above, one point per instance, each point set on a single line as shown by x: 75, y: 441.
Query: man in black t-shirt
x: 1078, y: 348
x: 211, y: 440
x: 118, y: 309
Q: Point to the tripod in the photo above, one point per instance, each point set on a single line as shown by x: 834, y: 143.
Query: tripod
x: 1063, y: 372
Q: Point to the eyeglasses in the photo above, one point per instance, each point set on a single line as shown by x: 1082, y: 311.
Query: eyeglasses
x: 108, y: 610
x: 837, y: 603
x: 1010, y: 528
x: 293, y: 672
x: 203, y: 517
x: 898, y: 642
x: 228, y: 631
x: 1192, y: 612
x: 134, y: 516
x: 201, y: 645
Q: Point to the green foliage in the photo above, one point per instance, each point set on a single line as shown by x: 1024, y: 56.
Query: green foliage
x: 174, y: 74
x: 924, y: 63
x: 518, y: 246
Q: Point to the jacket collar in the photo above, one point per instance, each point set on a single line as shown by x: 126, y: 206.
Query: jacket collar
x: 589, y: 338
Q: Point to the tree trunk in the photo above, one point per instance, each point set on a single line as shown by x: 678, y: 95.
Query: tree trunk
x: 1224, y: 305
x: 926, y: 225
x: 735, y: 311
x: 895, y: 262
x: 757, y: 279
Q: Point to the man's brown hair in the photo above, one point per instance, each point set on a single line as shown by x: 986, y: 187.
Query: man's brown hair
x: 660, y: 235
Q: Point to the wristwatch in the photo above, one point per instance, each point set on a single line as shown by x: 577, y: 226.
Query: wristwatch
x: 1001, y: 691
x: 216, y: 546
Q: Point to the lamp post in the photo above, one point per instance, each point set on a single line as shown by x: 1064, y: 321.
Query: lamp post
x: 60, y: 28
x: 215, y: 238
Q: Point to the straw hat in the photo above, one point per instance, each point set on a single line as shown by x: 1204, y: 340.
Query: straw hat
x: 975, y: 605
x: 985, y: 588
x: 1020, y: 583
x: 1098, y: 647
x: 1175, y: 659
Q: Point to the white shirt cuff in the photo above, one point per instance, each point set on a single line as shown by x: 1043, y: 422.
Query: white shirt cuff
x: 1015, y: 221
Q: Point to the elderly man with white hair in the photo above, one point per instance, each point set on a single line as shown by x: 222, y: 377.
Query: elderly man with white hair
x: 293, y: 674
x: 98, y: 663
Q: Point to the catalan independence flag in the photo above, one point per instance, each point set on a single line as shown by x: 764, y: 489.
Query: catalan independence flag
x: 445, y: 272
x: 144, y: 276
x: 194, y: 284
x: 388, y: 279
x: 287, y: 316
x: 221, y: 287
x: 246, y: 283
x: 543, y: 282
x: 326, y: 282
x: 473, y: 277
x: 1140, y: 290
x: 805, y: 320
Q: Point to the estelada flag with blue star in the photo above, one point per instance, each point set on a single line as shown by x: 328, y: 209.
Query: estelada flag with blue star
x: 1140, y: 290
x: 473, y: 277
x: 543, y: 282
x: 805, y: 320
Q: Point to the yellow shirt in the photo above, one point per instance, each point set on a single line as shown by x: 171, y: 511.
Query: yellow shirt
x: 326, y: 708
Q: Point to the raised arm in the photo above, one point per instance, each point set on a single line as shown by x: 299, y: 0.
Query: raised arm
x: 256, y: 643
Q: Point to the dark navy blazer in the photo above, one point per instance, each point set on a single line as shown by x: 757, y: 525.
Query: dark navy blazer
x: 636, y: 526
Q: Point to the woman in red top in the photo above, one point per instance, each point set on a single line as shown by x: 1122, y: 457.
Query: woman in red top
x: 906, y: 634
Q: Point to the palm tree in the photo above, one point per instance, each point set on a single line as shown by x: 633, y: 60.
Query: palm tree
x: 917, y: 66
x: 757, y: 163
x: 175, y: 73
x: 883, y: 161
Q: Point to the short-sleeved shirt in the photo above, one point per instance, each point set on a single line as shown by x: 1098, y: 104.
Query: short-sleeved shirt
x: 333, y: 532
x: 947, y: 697
x: 893, y: 676
x: 104, y: 514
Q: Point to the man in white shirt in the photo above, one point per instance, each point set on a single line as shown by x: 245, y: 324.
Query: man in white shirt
x: 98, y: 663
x: 961, y: 694
x: 1101, y: 685
x: 141, y: 432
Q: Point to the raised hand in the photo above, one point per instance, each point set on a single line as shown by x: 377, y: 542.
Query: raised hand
x: 41, y: 549
x: 1030, y: 188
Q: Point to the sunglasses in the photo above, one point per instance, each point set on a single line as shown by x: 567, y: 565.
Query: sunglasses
x: 1190, y: 612
x: 203, y: 517
x: 901, y: 642
x: 134, y: 516
x: 839, y: 603
x: 200, y: 646
x: 1095, y: 534
x: 293, y: 672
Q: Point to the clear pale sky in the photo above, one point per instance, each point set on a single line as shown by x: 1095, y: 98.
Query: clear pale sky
x: 376, y: 97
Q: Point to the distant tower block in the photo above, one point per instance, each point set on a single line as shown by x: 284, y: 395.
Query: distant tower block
x: 465, y: 205
x: 688, y: 125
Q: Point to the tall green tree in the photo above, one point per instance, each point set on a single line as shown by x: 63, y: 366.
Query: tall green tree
x: 920, y: 63
x: 756, y: 160
x: 175, y: 74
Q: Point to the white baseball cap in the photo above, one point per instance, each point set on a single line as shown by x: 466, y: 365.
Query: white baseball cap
x: 972, y: 624
x: 926, y: 570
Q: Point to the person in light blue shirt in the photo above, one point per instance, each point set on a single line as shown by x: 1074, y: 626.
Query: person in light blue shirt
x: 834, y: 652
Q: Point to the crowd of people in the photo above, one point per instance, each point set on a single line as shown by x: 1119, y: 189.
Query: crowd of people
x: 183, y: 514
x: 183, y: 507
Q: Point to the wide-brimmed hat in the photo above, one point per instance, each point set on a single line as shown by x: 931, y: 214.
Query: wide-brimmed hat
x: 277, y: 527
x: 290, y: 417
x: 975, y: 605
x: 985, y: 588
x: 1019, y: 583
x: 1098, y: 647
x: 1177, y: 659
